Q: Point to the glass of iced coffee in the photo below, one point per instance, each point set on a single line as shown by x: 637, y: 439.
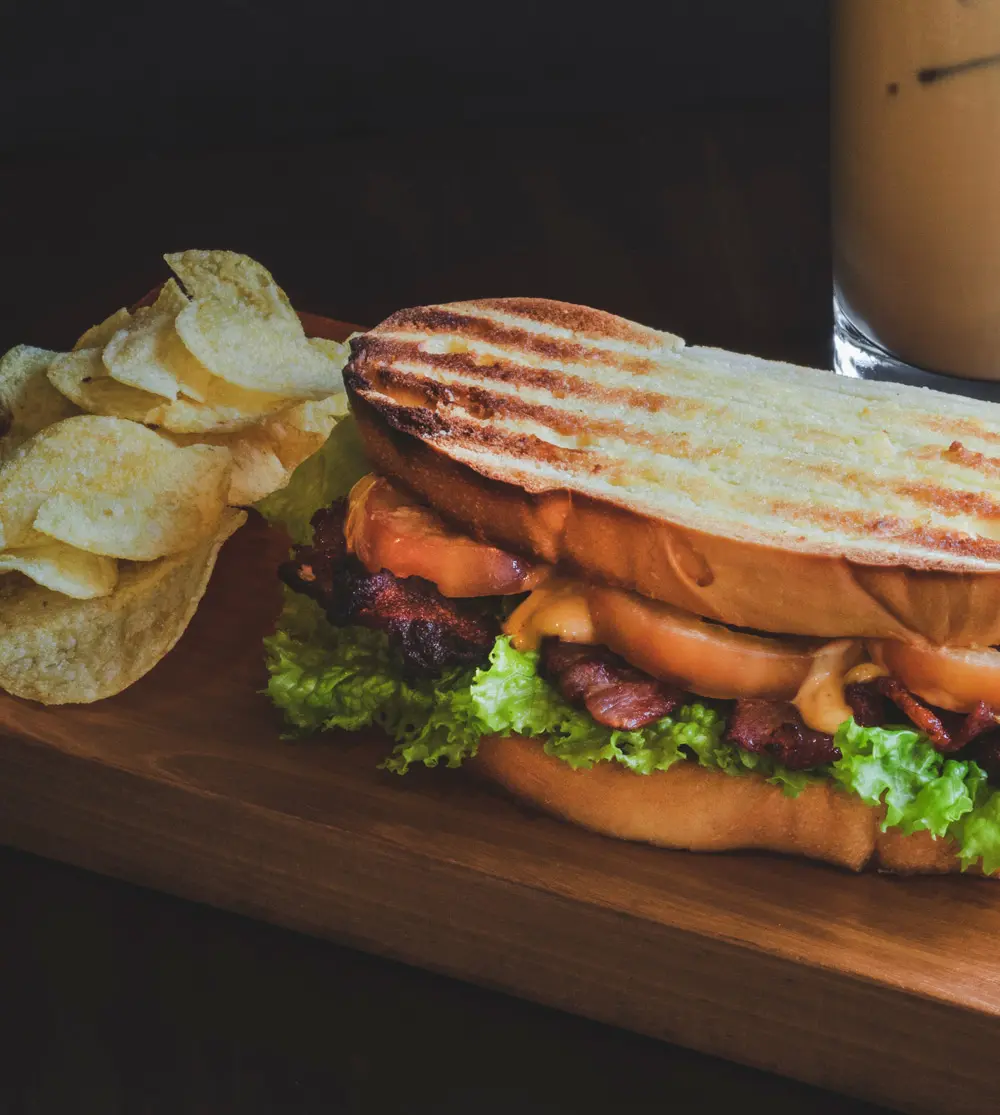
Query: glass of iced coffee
x: 916, y: 192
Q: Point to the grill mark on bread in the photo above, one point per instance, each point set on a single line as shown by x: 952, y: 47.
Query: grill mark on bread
x: 583, y: 321
x: 891, y: 527
x: 958, y: 454
x: 461, y: 321
x: 510, y: 495
x: 481, y: 403
x: 951, y: 501
x: 464, y: 327
x: 564, y: 315
x: 949, y: 426
x: 472, y: 434
x: 389, y: 350
x: 429, y: 425
x: 379, y: 357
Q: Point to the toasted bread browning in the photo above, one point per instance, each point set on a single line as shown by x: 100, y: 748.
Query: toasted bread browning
x: 552, y: 397
x: 707, y: 811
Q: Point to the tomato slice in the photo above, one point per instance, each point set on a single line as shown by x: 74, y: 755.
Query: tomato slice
x: 955, y: 678
x: 387, y: 530
x: 706, y: 658
x: 666, y: 642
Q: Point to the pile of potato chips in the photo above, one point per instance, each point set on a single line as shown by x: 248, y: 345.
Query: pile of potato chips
x: 122, y: 464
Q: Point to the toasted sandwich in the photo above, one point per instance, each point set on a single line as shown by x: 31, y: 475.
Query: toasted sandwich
x: 669, y: 593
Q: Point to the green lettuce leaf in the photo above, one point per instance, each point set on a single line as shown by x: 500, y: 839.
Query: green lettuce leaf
x: 327, y: 678
x: 510, y: 697
x: 327, y: 475
x: 978, y: 832
x: 921, y: 789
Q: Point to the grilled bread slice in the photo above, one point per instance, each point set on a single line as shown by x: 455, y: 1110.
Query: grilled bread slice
x: 755, y: 493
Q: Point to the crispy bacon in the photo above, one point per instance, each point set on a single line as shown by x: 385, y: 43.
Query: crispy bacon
x: 866, y: 703
x: 929, y: 722
x: 614, y: 694
x: 948, y: 731
x: 430, y: 631
x: 776, y: 728
x: 982, y: 719
x: 312, y: 568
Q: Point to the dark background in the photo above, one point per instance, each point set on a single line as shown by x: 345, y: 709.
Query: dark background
x: 186, y: 73
x: 666, y: 161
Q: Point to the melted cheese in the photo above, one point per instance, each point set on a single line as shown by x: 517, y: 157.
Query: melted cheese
x: 867, y: 671
x: 820, y: 698
x: 557, y: 608
x: 560, y: 608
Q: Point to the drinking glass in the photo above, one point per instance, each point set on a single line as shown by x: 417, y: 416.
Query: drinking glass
x: 916, y: 192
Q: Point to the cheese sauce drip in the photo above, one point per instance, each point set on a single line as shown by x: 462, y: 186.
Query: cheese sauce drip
x: 820, y: 698
x: 557, y: 608
x: 561, y: 608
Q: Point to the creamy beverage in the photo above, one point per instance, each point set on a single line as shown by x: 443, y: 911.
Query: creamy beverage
x: 916, y: 179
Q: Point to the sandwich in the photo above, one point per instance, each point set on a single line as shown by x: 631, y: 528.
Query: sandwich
x: 672, y: 594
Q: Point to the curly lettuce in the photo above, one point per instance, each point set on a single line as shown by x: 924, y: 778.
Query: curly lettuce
x: 325, y: 678
x: 920, y: 789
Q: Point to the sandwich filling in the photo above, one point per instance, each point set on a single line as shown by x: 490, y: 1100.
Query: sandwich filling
x: 393, y: 619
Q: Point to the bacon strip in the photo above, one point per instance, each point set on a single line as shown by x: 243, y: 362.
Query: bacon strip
x: 866, y: 703
x: 928, y: 721
x: 776, y: 728
x: 614, y: 694
x: 948, y: 731
x: 430, y: 631
x: 982, y: 719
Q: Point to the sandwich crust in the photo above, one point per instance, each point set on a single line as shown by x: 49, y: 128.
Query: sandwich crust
x: 699, y: 810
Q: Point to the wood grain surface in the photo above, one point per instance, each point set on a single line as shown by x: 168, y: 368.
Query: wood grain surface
x: 881, y: 988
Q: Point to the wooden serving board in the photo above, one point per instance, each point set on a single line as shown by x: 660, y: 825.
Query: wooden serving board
x: 882, y: 988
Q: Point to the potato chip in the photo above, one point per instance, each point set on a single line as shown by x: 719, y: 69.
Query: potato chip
x: 259, y: 353
x: 225, y: 407
x: 265, y: 456
x: 82, y: 377
x: 336, y: 350
x: 147, y: 354
x: 231, y: 278
x: 303, y: 430
x: 28, y: 402
x: 112, y: 487
x: 63, y: 569
x: 97, y: 336
x: 62, y: 651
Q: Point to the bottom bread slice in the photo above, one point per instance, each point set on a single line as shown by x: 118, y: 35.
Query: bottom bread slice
x: 690, y: 807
